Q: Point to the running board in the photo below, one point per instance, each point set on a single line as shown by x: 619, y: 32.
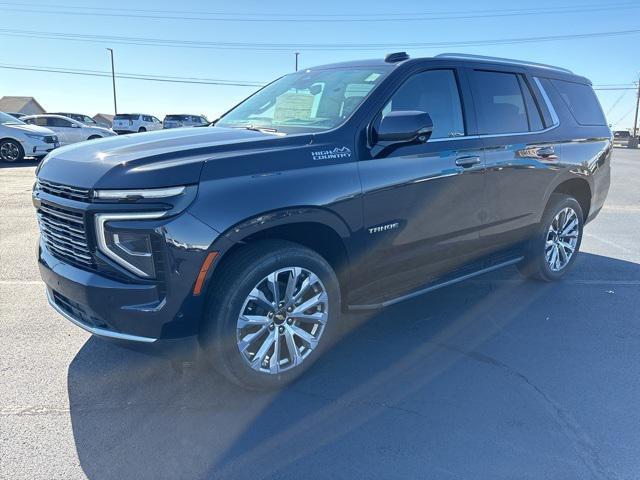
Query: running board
x: 453, y: 281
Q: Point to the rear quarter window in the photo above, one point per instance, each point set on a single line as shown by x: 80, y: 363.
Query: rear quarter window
x: 581, y: 101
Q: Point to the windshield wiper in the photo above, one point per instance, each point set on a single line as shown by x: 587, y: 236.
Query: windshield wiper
x: 260, y: 129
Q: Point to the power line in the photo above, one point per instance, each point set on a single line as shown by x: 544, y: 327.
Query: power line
x: 615, y: 104
x: 313, y: 18
x: 159, y: 42
x: 266, y: 19
x: 131, y: 76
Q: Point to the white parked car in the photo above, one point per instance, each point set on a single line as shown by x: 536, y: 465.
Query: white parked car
x: 80, y: 117
x: 19, y: 140
x: 68, y: 130
x: 135, y: 122
x: 177, y: 121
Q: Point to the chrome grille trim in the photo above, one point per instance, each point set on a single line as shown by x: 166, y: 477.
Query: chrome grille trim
x: 64, y: 236
x: 65, y: 191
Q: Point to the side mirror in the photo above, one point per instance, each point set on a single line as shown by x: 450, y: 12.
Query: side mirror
x: 404, y: 126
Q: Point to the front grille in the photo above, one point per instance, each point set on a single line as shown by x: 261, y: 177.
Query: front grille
x: 65, y: 191
x: 63, y: 232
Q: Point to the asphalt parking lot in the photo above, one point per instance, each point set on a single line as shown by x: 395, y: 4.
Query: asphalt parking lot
x: 495, y: 378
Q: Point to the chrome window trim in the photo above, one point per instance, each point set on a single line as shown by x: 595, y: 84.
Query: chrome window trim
x: 547, y: 101
x: 102, y: 218
x: 100, y: 332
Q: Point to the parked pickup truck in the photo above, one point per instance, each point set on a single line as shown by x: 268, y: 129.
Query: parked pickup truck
x: 346, y: 187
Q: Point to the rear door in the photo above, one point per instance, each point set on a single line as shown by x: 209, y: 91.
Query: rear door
x: 423, y: 203
x: 52, y: 124
x: 520, y: 153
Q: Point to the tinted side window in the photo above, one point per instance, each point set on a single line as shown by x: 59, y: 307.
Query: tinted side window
x: 582, y: 102
x: 58, y: 122
x: 146, y: 118
x: 434, y: 92
x: 500, y: 103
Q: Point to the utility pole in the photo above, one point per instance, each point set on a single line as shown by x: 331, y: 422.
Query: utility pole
x: 297, y: 54
x: 113, y: 80
x: 635, y: 120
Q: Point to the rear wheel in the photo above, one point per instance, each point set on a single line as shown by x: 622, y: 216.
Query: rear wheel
x: 554, y: 248
x: 94, y: 137
x: 11, y: 151
x: 142, y: 129
x: 272, y: 310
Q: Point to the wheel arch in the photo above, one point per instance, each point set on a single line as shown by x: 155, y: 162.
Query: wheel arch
x: 315, y: 228
x: 578, y: 188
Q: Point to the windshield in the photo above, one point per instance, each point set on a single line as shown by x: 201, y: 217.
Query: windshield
x: 6, y: 119
x: 306, y: 101
x: 178, y: 118
x: 126, y: 116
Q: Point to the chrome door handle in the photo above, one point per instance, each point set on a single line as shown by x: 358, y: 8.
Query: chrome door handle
x: 466, y: 162
x: 545, y: 152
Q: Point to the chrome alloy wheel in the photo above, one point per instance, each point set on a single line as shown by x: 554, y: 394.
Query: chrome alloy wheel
x: 9, y: 152
x: 562, y: 239
x: 282, y: 320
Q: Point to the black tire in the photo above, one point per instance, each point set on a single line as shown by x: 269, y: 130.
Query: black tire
x: 535, y: 263
x: 142, y: 129
x: 8, y: 146
x: 239, y: 274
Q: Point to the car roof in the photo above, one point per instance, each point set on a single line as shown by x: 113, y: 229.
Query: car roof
x: 50, y: 115
x: 458, y: 59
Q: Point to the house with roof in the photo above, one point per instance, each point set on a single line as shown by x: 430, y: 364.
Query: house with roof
x: 104, y: 119
x: 26, y: 105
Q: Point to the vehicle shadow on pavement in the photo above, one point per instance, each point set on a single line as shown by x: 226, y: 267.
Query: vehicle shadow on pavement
x: 24, y: 163
x: 408, y: 392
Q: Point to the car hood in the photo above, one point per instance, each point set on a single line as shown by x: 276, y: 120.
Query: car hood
x: 149, y: 160
x: 26, y: 128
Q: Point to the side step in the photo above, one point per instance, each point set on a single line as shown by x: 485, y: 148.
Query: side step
x: 435, y: 286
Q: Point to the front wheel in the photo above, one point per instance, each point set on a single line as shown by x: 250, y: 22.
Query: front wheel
x: 554, y: 248
x: 272, y: 310
x: 11, y: 151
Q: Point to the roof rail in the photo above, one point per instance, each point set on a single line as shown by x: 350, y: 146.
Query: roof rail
x: 466, y: 56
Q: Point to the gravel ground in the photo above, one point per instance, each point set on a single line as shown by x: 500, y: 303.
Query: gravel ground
x: 495, y: 378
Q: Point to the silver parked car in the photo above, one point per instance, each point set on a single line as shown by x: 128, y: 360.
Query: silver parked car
x: 176, y: 121
x: 19, y: 140
x: 68, y: 130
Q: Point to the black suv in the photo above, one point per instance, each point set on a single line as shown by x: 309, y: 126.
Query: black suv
x: 349, y: 186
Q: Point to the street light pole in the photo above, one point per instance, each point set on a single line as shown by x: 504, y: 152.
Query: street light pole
x: 113, y: 80
x: 297, y: 54
x: 635, y: 120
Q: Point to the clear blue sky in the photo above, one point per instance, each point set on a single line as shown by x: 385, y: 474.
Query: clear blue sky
x: 605, y: 60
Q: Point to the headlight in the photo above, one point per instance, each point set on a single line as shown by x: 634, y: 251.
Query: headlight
x: 127, y: 247
x: 35, y: 136
x: 137, y: 194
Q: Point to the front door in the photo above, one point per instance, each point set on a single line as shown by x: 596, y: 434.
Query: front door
x: 424, y: 204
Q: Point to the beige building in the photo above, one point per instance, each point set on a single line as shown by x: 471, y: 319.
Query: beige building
x: 104, y: 119
x: 26, y: 105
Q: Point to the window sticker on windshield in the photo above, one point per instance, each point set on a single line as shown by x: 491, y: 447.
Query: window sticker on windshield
x: 293, y: 106
x: 372, y: 78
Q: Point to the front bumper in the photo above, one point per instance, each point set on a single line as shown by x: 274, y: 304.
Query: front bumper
x: 74, y: 316
x: 35, y: 148
x: 123, y: 306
